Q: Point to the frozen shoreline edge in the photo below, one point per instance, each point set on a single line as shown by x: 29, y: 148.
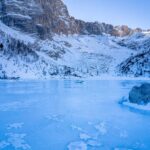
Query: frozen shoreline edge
x: 81, y: 79
x: 125, y: 103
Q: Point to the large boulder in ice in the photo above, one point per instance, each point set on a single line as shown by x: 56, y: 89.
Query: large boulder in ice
x: 140, y: 95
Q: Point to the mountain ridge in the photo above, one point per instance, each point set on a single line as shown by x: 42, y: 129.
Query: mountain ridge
x: 47, y: 17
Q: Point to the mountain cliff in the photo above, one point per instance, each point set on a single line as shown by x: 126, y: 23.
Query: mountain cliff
x: 47, y: 17
x: 40, y: 17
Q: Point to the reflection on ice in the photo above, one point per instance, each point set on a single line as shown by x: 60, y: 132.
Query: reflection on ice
x: 15, y: 105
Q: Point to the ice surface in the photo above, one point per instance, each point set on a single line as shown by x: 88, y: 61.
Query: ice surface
x: 63, y: 114
x: 3, y: 144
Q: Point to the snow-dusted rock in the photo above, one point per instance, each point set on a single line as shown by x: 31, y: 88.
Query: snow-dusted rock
x: 140, y: 95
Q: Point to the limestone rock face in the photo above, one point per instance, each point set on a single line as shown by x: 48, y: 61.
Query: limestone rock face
x: 95, y: 28
x: 41, y: 17
x: 140, y: 95
x: 44, y: 18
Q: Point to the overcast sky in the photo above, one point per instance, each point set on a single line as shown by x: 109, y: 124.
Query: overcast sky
x: 134, y: 13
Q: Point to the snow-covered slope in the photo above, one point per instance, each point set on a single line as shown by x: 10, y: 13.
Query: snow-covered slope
x: 137, y: 65
x: 137, y: 41
x: 74, y: 55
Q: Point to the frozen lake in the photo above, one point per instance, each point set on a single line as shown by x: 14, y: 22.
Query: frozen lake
x: 69, y: 114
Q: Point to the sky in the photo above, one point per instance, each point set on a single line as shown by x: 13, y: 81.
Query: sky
x: 134, y: 13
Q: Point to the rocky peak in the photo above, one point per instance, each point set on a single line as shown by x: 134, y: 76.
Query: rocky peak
x: 122, y: 30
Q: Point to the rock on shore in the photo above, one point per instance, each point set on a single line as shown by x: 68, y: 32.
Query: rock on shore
x: 140, y: 95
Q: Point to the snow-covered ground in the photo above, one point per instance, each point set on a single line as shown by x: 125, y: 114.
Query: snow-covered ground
x: 73, y: 55
x: 16, y: 34
x: 86, y: 56
x: 71, y: 115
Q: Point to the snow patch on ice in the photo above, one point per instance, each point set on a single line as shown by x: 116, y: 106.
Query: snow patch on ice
x: 74, y: 127
x: 84, y: 136
x: 15, y: 126
x: 17, y: 141
x: 101, y: 127
x: 79, y: 145
x: 56, y: 118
